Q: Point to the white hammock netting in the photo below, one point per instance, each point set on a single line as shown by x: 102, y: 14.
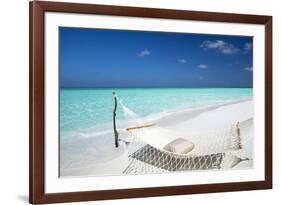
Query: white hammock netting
x: 212, y: 150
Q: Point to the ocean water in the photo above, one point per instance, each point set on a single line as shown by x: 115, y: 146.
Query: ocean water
x: 89, y: 110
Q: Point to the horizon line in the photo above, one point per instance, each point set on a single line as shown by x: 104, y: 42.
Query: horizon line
x: 151, y: 87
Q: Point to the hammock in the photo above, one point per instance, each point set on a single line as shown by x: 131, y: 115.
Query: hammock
x: 147, y: 154
x: 212, y: 150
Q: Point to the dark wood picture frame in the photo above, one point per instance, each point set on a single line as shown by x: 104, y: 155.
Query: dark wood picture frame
x: 37, y: 193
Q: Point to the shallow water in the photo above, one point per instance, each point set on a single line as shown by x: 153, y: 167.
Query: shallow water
x: 89, y: 110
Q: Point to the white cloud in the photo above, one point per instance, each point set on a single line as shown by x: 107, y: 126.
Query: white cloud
x: 247, y: 47
x: 220, y: 46
x: 203, y: 66
x: 248, y: 68
x: 144, y: 52
x: 181, y: 61
x: 212, y: 44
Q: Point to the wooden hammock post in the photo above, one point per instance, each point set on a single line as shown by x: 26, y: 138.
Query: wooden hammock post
x: 114, y: 121
x: 238, y: 135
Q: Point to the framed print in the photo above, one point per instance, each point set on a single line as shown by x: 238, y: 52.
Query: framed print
x: 139, y: 102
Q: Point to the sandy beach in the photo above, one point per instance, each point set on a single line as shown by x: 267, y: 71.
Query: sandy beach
x: 97, y: 156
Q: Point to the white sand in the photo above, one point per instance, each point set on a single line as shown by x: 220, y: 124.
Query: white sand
x: 96, y: 156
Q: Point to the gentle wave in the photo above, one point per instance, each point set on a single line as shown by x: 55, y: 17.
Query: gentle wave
x: 123, y: 124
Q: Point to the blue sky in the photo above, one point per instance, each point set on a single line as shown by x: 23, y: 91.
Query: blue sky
x: 115, y: 58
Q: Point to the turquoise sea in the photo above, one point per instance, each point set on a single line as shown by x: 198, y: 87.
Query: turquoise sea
x: 89, y: 110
